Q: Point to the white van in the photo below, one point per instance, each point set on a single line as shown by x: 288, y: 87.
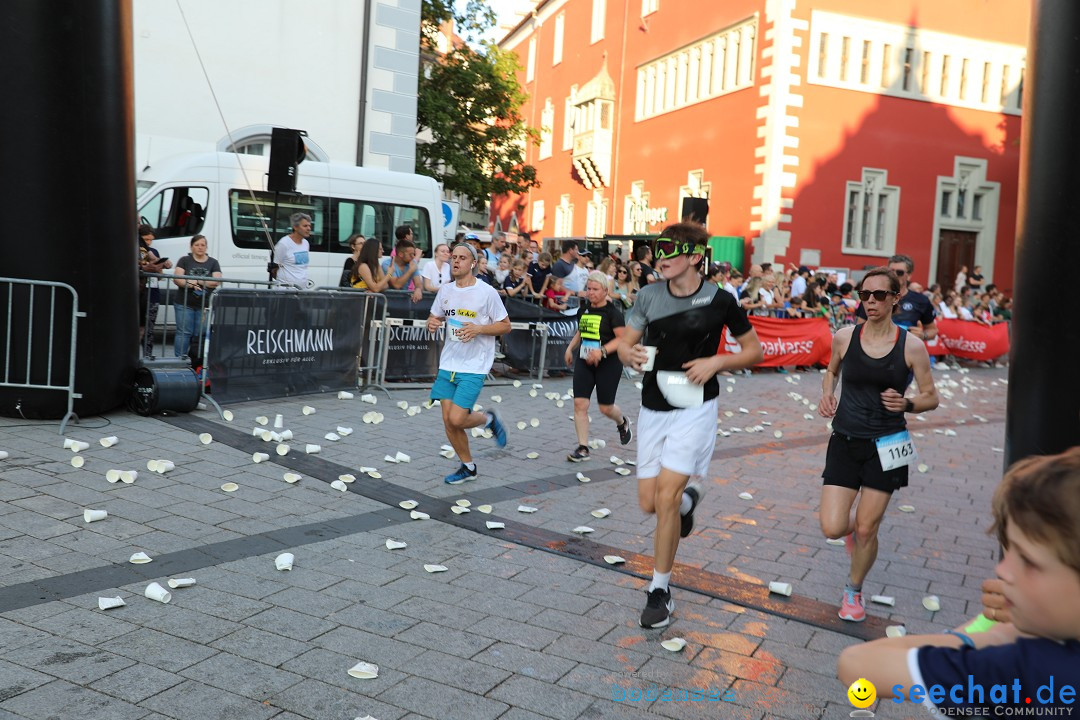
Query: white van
x: 223, y: 196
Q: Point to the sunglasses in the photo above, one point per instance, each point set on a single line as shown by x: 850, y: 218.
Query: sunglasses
x: 879, y: 295
x: 900, y: 273
x: 670, y: 248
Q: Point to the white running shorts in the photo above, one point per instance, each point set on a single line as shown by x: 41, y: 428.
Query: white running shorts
x: 680, y: 440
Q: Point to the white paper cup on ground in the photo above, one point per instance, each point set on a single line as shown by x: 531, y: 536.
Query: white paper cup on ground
x: 260, y: 457
x: 332, y: 437
x: 105, y: 603
x: 932, y: 603
x: 76, y: 462
x: 650, y: 359
x: 262, y: 420
x: 307, y: 410
x: 129, y: 476
x: 339, y: 485
x: 165, y: 466
x: 80, y: 446
x: 181, y: 582
x: 895, y: 631
x: 94, y: 515
x: 312, y: 449
x: 69, y: 443
x: 152, y: 465
x: 206, y: 438
x: 279, y: 421
x: 291, y: 477
x: 364, y: 671
x: 140, y: 558
x: 285, y: 435
x: 402, y: 457
x: 674, y: 644
x: 395, y: 544
x: 284, y: 561
x: 229, y: 487
x: 154, y: 591
x: 344, y: 431
x: 780, y: 588
x: 108, y: 442
x: 112, y: 475
x: 343, y: 395
x: 227, y: 415
x: 282, y: 449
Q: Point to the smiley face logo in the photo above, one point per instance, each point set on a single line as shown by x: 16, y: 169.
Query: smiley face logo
x: 862, y: 693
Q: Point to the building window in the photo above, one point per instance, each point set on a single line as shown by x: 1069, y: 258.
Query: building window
x: 963, y: 78
x: 537, y: 215
x: 985, y: 92
x: 924, y: 82
x: 530, y: 67
x: 908, y: 52
x: 716, y: 65
x: 560, y: 30
x: 564, y: 218
x: 823, y: 54
x: 547, y: 121
x: 649, y: 6
x: 946, y: 203
x: 599, y: 13
x: 596, y: 215
x: 944, y: 76
x: 568, y: 120
x: 870, y: 214
x: 864, y: 70
x: 845, y: 50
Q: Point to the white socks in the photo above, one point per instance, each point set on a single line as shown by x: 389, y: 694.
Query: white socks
x: 686, y: 504
x: 659, y: 580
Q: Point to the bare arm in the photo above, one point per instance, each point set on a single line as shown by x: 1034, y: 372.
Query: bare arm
x: 701, y: 370
x: 470, y: 330
x: 630, y: 351
x: 372, y: 284
x: 841, y: 340
x: 919, y: 361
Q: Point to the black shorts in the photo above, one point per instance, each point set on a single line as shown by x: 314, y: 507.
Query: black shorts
x: 604, y: 377
x: 854, y: 463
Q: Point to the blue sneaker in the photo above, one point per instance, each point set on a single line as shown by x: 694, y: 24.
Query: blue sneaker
x: 461, y: 475
x: 497, y: 428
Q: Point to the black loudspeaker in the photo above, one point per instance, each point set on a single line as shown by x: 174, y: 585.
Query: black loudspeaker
x: 287, y: 150
x: 157, y: 390
x: 695, y: 210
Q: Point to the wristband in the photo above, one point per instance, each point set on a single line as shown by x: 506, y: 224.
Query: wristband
x: 967, y: 640
x: 909, y: 405
x: 603, y: 352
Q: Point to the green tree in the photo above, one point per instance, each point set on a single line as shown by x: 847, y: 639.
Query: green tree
x: 469, y: 101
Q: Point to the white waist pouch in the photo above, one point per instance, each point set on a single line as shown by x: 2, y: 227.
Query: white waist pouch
x: 678, y: 390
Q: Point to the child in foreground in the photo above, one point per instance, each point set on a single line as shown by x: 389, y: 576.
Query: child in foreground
x: 1033, y: 650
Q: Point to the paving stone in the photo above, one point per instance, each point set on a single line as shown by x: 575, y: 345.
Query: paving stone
x: 599, y: 654
x: 528, y: 663
x: 289, y: 623
x: 67, y: 659
x: 380, y: 650
x: 92, y: 626
x: 192, y: 699
x: 373, y: 619
x: 159, y: 650
x: 332, y: 667
x: 455, y: 642
x: 308, y: 602
x: 260, y: 645
x: 136, y: 683
x: 318, y: 700
x: 60, y: 699
x: 511, y: 631
x: 241, y: 676
x: 435, y: 700
x: 15, y: 680
x: 541, y: 697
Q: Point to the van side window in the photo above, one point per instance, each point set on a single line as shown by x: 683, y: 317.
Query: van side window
x: 246, y: 216
x: 374, y: 219
x: 176, y: 211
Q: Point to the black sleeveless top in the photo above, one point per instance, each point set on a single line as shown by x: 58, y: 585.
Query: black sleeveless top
x: 860, y: 413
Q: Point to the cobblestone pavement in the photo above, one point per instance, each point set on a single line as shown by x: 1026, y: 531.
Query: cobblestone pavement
x: 525, y: 622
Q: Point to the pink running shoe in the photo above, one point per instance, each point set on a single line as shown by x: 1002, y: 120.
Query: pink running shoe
x: 851, y: 606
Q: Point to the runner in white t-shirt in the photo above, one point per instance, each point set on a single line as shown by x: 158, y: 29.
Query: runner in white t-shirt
x: 293, y: 252
x: 473, y: 315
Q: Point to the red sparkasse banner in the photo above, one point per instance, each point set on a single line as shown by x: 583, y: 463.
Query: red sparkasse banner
x: 971, y: 340
x: 787, y: 342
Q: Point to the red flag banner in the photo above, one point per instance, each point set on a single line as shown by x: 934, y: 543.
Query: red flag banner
x: 972, y: 340
x: 788, y: 342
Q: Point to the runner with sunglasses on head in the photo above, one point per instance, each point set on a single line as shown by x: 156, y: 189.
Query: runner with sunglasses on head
x: 870, y: 449
x: 682, y: 320
x: 914, y: 311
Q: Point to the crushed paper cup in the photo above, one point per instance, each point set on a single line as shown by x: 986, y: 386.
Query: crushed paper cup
x: 395, y: 544
x: 307, y: 410
x: 156, y: 592
x: 526, y: 509
x: 582, y: 529
x: 835, y: 541
x: 285, y: 435
x: 463, y: 503
x: 347, y: 478
x: 777, y: 434
x: 674, y: 644
x: 535, y: 422
x: 338, y: 485
x: 291, y: 477
x: 105, y: 603
x: 343, y: 395
x: 402, y: 457
x: 407, y: 504
x: 403, y: 404
x: 532, y: 455
x: 600, y: 513
x: 780, y: 588
x: 517, y: 383
x: 458, y: 510
x: 615, y: 460
x: 582, y: 477
x: 745, y: 496
x: 206, y: 438
x: 906, y: 508
x: 129, y: 476
x: 494, y: 525
x: 181, y: 582
x: 260, y: 457
x: 344, y: 431
x: 227, y: 415
x: 895, y: 631
x: 390, y: 458
x: 374, y: 474
x: 332, y: 437
x: 230, y: 487
x: 282, y: 449
x: 364, y: 671
x: 533, y: 393
x: 417, y: 515
x: 614, y: 559
x: 932, y: 603
x: 279, y: 421
x: 496, y: 398
x: 883, y: 600
x: 597, y: 444
x: 435, y: 568
x: 284, y: 561
x: 94, y: 515
x: 262, y: 420
x: 108, y: 442
x: 923, y: 467
x: 522, y: 425
x: 448, y: 454
x: 413, y: 410
x: 112, y: 475
x: 77, y: 461
x: 369, y: 399
x: 140, y: 558
x: 622, y: 471
x: 486, y: 509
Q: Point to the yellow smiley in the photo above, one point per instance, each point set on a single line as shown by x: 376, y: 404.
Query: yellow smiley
x: 862, y: 693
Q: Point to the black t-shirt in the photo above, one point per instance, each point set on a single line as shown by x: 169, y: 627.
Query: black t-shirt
x: 538, y: 275
x: 646, y: 273
x: 510, y: 282
x: 598, y: 323
x: 193, y: 298
x: 562, y: 269
x: 912, y: 309
x: 974, y: 281
x: 683, y: 329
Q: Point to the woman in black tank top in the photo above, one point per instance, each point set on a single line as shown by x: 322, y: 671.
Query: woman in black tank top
x: 870, y: 450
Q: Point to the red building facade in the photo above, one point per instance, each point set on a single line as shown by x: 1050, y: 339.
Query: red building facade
x: 829, y: 134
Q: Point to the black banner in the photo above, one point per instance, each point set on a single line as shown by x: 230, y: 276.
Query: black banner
x: 413, y: 352
x: 522, y: 347
x: 277, y: 343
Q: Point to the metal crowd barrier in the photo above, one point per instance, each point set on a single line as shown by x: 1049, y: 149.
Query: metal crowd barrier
x: 370, y: 363
x: 63, y: 381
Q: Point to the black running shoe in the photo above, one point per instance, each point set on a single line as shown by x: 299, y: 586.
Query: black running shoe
x: 581, y: 454
x: 658, y: 609
x: 625, y: 433
x: 687, y: 521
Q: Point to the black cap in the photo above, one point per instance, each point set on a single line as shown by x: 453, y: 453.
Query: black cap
x: 803, y: 269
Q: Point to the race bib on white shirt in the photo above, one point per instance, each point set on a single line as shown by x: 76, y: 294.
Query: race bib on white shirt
x: 678, y: 390
x: 896, y: 450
